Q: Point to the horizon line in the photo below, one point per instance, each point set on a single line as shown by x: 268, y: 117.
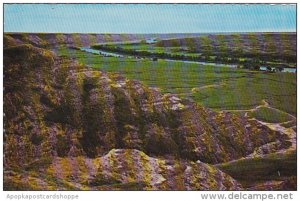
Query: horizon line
x: 151, y: 33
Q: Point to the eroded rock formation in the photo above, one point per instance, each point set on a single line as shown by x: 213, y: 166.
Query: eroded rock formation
x: 57, y: 111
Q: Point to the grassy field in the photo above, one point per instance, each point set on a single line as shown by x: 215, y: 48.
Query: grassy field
x: 249, y: 50
x: 270, y: 167
x: 156, y: 49
x: 270, y: 115
x: 265, y: 46
x: 220, y: 88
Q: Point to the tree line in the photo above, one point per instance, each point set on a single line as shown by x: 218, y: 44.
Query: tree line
x: 253, y: 63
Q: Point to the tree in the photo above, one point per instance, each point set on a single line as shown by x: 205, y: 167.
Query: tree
x: 256, y: 67
x: 280, y: 69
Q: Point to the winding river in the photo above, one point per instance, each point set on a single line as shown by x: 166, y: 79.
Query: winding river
x: 110, y: 54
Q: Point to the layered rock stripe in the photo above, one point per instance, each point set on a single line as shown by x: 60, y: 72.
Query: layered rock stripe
x: 68, y: 126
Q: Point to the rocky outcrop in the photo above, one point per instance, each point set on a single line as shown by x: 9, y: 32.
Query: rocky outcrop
x: 123, y: 169
x: 93, y: 111
x: 55, y: 108
x: 72, y: 39
x: 270, y: 172
x: 285, y: 183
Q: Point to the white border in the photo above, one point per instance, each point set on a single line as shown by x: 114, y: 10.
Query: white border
x: 130, y: 195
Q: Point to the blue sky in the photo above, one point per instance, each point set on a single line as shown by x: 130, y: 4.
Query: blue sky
x: 148, y: 18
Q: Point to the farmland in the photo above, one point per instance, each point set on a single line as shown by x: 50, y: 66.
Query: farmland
x: 219, y: 88
x: 150, y: 97
x: 244, y: 50
x: 85, y: 106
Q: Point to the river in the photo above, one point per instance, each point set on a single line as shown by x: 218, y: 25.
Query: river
x: 110, y: 54
x: 286, y: 70
x: 100, y: 52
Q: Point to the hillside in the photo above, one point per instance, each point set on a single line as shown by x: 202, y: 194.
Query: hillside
x: 62, y: 118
